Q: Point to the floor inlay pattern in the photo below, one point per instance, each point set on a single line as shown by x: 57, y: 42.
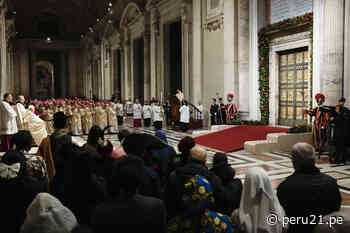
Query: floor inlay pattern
x: 277, y: 165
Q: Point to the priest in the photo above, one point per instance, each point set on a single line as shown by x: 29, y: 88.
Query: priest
x: 8, y: 123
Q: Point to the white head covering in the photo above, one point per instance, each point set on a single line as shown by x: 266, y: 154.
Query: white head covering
x: 46, y: 214
x: 258, y: 201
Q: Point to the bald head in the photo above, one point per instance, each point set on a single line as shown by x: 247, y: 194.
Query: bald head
x: 21, y: 99
x: 198, y: 153
x: 303, y: 156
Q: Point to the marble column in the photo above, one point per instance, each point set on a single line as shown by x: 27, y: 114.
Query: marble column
x: 231, y: 77
x: 72, y: 74
x: 185, y: 52
x: 153, y: 52
x: 63, y: 78
x: 126, y: 70
x: 197, y: 84
x: 122, y: 68
x: 328, y: 50
x: 147, y: 60
x: 4, y: 79
x: 347, y: 53
x: 254, y: 113
x: 243, y: 56
x: 33, y: 86
x: 24, y: 66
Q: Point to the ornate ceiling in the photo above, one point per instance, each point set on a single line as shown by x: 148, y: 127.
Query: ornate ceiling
x: 63, y: 19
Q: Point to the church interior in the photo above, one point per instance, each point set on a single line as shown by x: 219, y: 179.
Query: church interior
x: 255, y: 81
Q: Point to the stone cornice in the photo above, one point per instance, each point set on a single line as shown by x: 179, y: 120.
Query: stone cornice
x: 41, y: 44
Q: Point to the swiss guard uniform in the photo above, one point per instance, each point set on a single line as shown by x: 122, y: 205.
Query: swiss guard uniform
x: 320, y: 123
x: 231, y: 109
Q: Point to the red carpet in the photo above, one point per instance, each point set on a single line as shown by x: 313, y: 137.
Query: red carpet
x: 233, y: 139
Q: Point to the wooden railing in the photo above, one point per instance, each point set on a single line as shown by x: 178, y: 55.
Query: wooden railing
x: 196, y: 117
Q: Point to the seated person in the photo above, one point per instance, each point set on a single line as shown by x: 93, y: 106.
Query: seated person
x: 233, y: 187
x: 259, y: 200
x: 340, y: 220
x: 128, y: 211
x: 307, y: 191
x: 47, y: 214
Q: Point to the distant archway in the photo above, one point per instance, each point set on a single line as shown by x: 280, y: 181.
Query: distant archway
x: 44, y: 79
x: 129, y: 14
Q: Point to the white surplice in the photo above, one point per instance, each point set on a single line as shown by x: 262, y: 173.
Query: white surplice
x: 8, y: 122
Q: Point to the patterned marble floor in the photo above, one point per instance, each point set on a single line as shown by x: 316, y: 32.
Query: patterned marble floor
x: 277, y: 165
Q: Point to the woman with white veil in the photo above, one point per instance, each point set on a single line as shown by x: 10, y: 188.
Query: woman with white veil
x: 260, y: 210
x: 46, y: 214
x: 35, y: 125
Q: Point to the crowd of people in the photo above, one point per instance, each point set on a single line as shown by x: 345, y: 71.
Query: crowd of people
x: 36, y: 116
x: 145, y: 185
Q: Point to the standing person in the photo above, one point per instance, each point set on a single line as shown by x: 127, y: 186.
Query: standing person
x: 231, y: 109
x: 120, y: 112
x: 112, y: 119
x: 320, y: 123
x: 137, y: 112
x: 8, y: 123
x: 222, y: 112
x: 200, y: 108
x: 129, y: 107
x: 341, y: 134
x: 51, y: 145
x: 147, y: 112
x: 214, y: 109
x: 184, y: 116
x: 20, y: 110
x: 158, y: 115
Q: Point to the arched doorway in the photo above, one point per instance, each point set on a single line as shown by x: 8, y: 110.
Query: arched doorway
x: 44, y: 79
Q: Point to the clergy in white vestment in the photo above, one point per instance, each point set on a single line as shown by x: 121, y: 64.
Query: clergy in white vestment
x: 35, y: 125
x: 20, y: 110
x: 129, y: 107
x: 184, y: 116
x: 157, y: 115
x: 137, y: 113
x: 112, y: 118
x: 120, y: 112
x: 147, y: 113
x: 199, y: 115
x: 8, y: 122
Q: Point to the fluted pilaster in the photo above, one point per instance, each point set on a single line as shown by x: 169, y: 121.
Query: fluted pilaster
x: 328, y: 49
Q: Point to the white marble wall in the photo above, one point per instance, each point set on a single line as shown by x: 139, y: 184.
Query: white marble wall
x: 3, y: 51
x: 231, y: 74
x: 328, y: 49
x: 254, y: 105
x: 347, y: 53
x: 242, y: 100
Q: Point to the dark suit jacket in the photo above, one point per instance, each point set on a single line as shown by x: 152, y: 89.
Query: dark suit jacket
x: 137, y: 214
x: 306, y: 193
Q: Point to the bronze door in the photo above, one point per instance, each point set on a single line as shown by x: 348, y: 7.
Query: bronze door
x: 293, y: 87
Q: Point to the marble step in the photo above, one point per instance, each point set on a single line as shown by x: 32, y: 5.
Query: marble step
x: 277, y: 142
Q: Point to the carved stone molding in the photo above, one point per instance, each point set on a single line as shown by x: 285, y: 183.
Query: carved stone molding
x: 216, y: 24
x: 156, y: 22
x: 214, y: 19
x: 291, y: 38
